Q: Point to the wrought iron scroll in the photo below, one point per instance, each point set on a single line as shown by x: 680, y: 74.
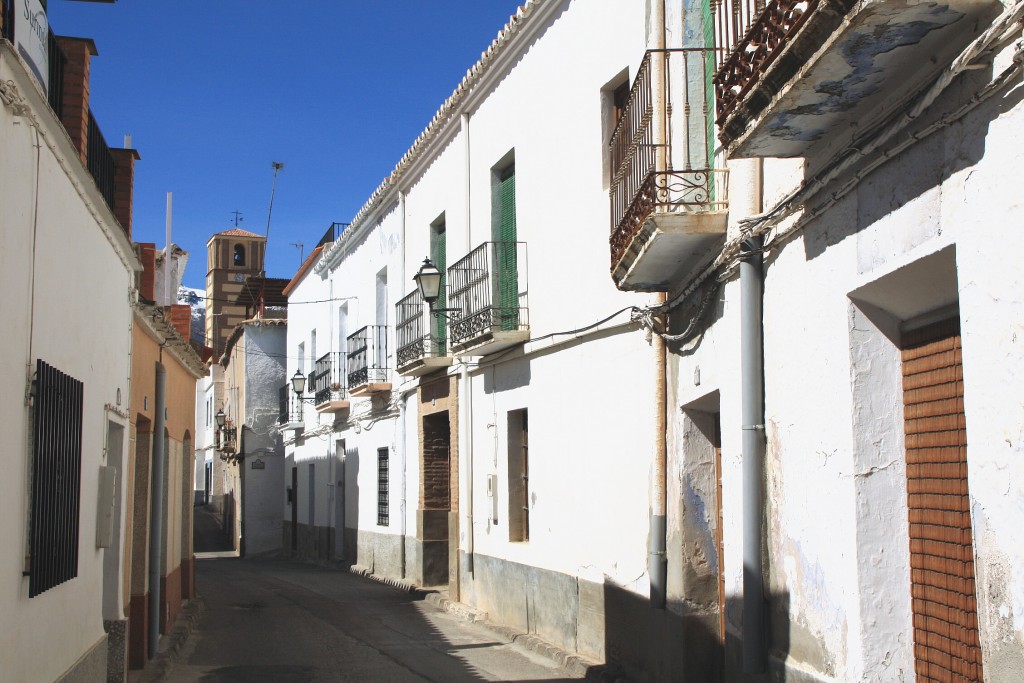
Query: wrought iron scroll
x: 487, y: 289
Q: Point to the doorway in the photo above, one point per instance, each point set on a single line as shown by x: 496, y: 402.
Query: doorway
x: 946, y: 642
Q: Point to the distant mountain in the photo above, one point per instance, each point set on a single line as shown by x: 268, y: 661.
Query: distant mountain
x: 196, y: 298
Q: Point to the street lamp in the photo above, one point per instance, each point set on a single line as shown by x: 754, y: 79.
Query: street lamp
x: 221, y: 418
x: 428, y: 281
x: 299, y: 387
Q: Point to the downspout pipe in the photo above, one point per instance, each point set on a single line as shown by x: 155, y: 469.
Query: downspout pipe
x: 156, y: 509
x: 658, y: 561
x: 753, y: 444
x: 466, y: 458
x: 657, y: 565
x: 403, y: 455
x: 403, y: 458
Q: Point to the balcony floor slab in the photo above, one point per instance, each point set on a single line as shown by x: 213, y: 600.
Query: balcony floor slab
x: 422, y: 366
x: 369, y: 389
x: 839, y: 72
x: 669, y: 246
x: 491, y: 342
x: 334, y: 406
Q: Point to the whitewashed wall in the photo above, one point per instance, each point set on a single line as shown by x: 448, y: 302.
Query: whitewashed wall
x: 80, y: 323
x: 264, y: 488
x: 836, y: 478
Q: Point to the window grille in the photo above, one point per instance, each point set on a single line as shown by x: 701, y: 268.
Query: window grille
x: 383, y: 474
x: 56, y: 480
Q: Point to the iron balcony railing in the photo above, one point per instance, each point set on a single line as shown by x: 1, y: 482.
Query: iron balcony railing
x: 100, y: 161
x: 368, y: 356
x: 749, y: 36
x: 333, y: 233
x: 413, y: 338
x: 487, y: 289
x: 662, y: 151
x: 289, y: 407
x: 327, y: 381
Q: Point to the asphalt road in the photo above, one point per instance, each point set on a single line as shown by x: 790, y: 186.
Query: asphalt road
x: 286, y: 622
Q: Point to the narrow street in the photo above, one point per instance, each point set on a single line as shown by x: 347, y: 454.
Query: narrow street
x: 288, y: 622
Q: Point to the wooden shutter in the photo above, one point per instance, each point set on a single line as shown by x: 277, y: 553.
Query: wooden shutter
x: 507, y: 313
x: 946, y: 645
x: 440, y: 262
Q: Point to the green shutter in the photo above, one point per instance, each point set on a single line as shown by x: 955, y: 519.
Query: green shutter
x: 507, y: 304
x: 439, y: 257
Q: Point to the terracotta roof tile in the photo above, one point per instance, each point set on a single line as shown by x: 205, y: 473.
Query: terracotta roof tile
x: 238, y: 232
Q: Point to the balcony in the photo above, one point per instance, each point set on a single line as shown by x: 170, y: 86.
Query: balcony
x: 289, y: 409
x: 368, y: 361
x: 793, y: 74
x: 419, y: 351
x: 327, y: 382
x: 487, y: 289
x: 669, y: 204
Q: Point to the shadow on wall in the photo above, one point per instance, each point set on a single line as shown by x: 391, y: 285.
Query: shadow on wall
x: 681, y: 643
x: 935, y: 159
x: 349, y: 506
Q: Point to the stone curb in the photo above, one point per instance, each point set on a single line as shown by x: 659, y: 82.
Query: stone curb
x: 572, y: 663
x: 173, y: 643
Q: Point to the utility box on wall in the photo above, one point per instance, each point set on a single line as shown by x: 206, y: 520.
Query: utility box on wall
x: 492, y: 493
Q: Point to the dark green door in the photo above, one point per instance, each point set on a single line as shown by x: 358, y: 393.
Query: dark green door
x: 506, y: 294
x: 439, y: 257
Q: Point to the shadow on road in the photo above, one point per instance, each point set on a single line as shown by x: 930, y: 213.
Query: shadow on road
x: 280, y: 620
x: 208, y: 535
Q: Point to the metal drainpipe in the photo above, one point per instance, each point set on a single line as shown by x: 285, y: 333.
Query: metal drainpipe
x: 753, y: 443
x: 402, y: 458
x: 658, y: 561
x: 659, y: 502
x: 156, y: 509
x: 404, y: 397
x: 466, y: 458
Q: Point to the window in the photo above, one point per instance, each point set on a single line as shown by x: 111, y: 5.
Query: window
x: 518, y: 476
x: 614, y: 98
x: 312, y: 351
x: 56, y: 468
x: 383, y: 511
x: 239, y: 255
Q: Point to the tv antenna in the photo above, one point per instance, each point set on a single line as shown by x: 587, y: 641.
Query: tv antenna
x: 302, y: 250
x: 277, y: 165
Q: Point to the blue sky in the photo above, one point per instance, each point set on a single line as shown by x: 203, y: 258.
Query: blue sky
x: 213, y: 91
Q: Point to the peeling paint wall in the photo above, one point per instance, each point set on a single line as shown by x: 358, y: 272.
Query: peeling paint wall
x: 930, y: 228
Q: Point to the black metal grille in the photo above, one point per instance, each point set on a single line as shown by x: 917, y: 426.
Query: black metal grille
x: 289, y: 408
x: 333, y: 233
x: 55, y: 89
x: 368, y: 356
x: 328, y: 378
x: 383, y: 476
x: 413, y: 343
x: 56, y: 480
x: 100, y: 161
x: 487, y: 287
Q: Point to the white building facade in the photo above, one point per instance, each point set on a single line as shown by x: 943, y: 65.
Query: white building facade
x: 68, y: 265
x: 782, y: 438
